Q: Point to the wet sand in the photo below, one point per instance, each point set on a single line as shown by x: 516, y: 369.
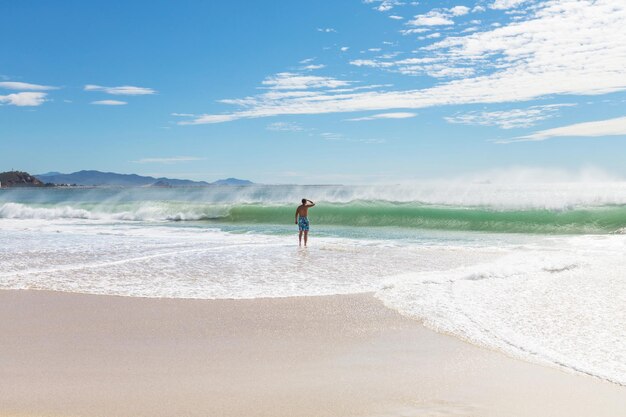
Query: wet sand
x: 86, y: 355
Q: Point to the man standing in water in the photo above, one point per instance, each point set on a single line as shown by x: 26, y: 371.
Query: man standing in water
x: 302, y: 219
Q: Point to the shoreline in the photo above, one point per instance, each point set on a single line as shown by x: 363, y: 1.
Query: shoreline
x: 68, y: 354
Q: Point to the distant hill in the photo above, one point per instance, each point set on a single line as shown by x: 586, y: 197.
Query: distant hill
x: 232, y: 181
x: 97, y: 178
x: 111, y: 178
x: 19, y: 179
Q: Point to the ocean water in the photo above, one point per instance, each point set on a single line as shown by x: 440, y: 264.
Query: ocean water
x: 537, y: 271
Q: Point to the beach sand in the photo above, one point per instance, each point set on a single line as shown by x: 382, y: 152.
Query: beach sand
x: 86, y: 355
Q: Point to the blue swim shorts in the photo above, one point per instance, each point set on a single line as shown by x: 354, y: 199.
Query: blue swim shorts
x: 303, y: 224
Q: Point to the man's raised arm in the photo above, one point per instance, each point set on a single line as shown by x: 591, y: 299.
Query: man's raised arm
x: 311, y: 204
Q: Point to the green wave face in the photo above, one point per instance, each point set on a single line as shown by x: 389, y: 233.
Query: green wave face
x: 578, y: 221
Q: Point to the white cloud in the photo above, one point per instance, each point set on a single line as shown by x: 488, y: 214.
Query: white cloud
x: 125, y: 90
x: 395, y: 17
x: 170, y: 160
x: 432, y: 18
x: 211, y: 118
x: 384, y: 5
x: 292, y: 81
x: 559, y: 48
x: 15, y: 85
x: 413, y: 31
x: 459, y: 10
x: 24, y: 99
x: 506, y: 4
x: 389, y: 55
x: 370, y: 63
x: 344, y: 48
x: 313, y: 67
x: 610, y: 127
x: 431, y: 66
x: 508, y: 119
x: 439, y: 17
x: 326, y: 30
x: 109, y: 102
x: 284, y: 127
x: 396, y: 115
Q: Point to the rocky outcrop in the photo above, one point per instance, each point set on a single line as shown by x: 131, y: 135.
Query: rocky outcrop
x: 19, y: 179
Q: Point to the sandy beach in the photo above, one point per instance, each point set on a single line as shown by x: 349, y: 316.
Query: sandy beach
x: 67, y: 354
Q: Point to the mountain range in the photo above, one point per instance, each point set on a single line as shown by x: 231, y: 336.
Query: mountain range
x: 91, y: 178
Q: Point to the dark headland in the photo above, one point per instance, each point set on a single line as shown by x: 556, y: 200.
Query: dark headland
x: 19, y: 179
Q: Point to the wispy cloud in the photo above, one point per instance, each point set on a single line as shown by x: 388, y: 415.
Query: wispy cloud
x: 292, y: 81
x: 109, y: 103
x: 396, y: 115
x: 384, y: 5
x: 312, y: 67
x: 24, y: 99
x: 327, y: 30
x: 432, y: 18
x: 506, y: 4
x: 124, y: 90
x: 414, y: 31
x: 338, y: 137
x: 284, y: 127
x: 32, y: 97
x: 439, y: 17
x: 436, y: 67
x: 508, y: 119
x: 168, y: 160
x: 559, y: 48
x: 15, y: 85
x: 610, y: 127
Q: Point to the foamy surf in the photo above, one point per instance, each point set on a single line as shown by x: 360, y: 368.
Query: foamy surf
x: 559, y: 304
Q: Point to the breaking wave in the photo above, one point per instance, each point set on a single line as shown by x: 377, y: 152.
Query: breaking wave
x: 603, y: 219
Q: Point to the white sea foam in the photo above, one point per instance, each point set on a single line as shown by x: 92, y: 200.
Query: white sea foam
x: 200, y: 263
x: 560, y: 303
x: 22, y: 211
x: 146, y: 211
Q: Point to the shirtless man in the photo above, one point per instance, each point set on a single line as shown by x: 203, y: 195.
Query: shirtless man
x: 302, y: 220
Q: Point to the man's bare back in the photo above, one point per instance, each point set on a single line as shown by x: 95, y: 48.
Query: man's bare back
x: 303, y: 210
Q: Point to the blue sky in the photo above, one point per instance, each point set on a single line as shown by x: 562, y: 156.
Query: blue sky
x: 313, y: 92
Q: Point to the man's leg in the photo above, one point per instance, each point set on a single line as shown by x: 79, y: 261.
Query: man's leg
x: 306, y: 235
x: 300, y: 239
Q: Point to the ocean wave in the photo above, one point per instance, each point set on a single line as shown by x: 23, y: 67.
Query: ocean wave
x: 594, y: 220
